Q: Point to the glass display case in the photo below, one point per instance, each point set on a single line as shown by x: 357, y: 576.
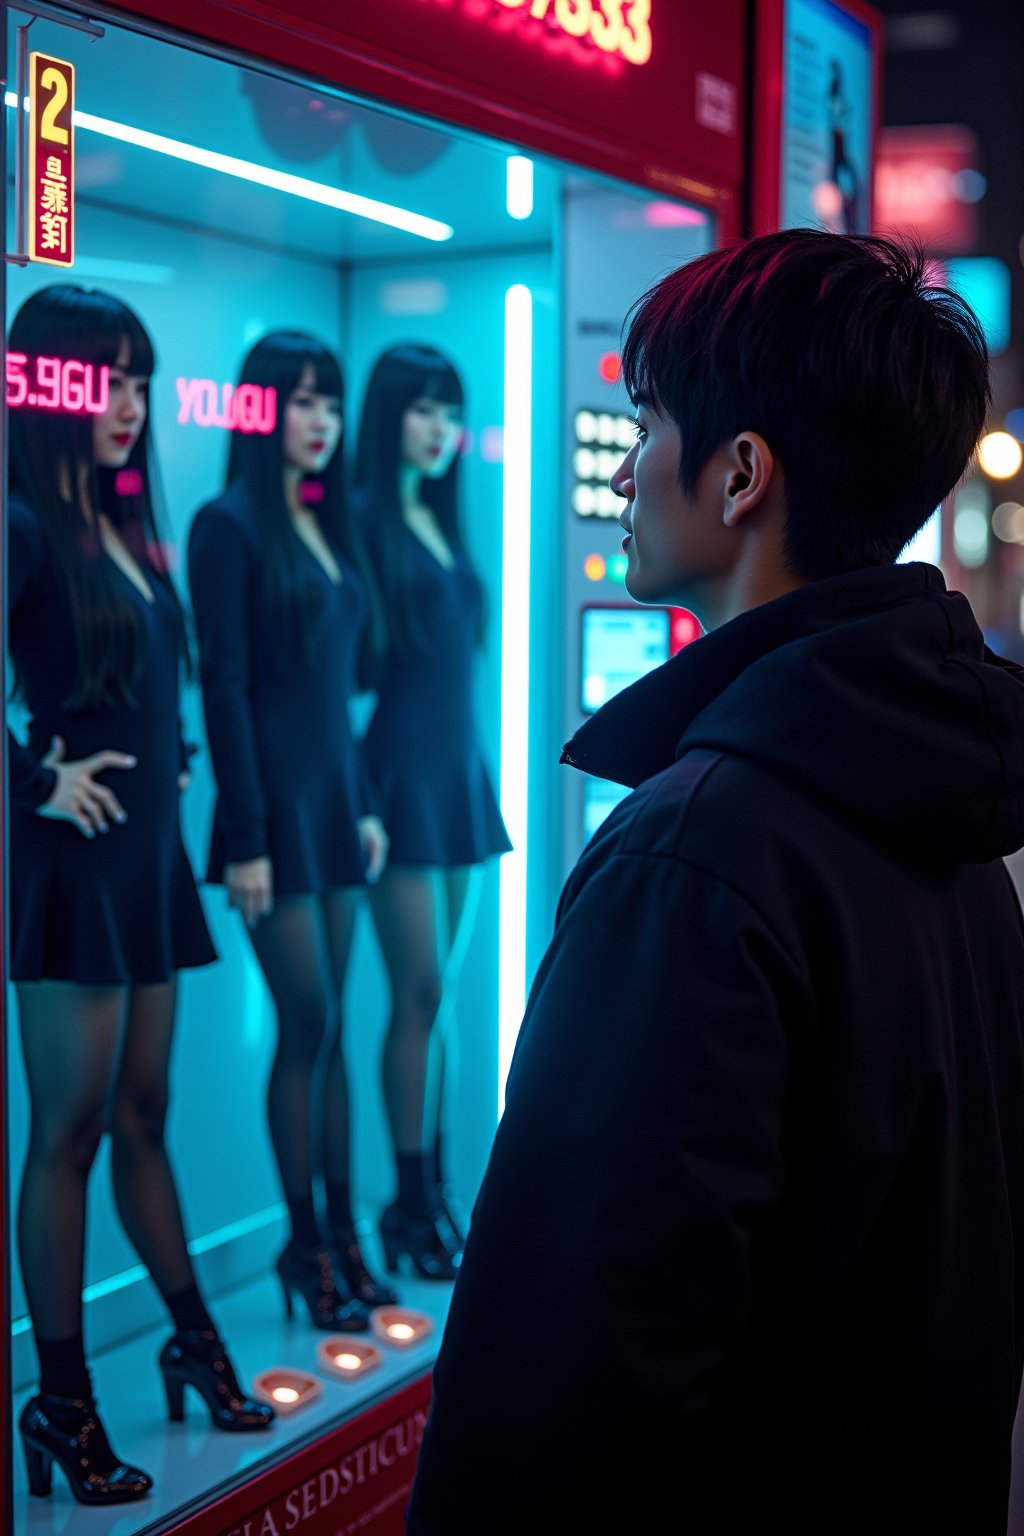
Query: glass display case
x: 234, y: 255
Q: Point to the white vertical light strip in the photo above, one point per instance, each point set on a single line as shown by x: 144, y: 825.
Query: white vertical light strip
x: 515, y: 669
x: 519, y: 186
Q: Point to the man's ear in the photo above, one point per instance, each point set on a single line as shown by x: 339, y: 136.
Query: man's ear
x: 749, y: 467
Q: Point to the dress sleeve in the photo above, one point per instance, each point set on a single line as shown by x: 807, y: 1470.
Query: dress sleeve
x: 29, y: 782
x: 220, y: 565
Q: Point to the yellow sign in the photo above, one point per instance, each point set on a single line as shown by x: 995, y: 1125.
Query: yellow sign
x: 51, y: 161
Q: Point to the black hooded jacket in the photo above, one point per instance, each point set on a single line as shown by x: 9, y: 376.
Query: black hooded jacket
x: 749, y: 1253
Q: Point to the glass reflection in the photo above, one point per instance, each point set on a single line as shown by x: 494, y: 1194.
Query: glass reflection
x: 104, y: 906
x: 282, y: 609
x: 423, y: 753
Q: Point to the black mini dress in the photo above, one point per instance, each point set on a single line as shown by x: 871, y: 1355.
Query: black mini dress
x: 422, y: 747
x: 290, y: 781
x: 120, y: 908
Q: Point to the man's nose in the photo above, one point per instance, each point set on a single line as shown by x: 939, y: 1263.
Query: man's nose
x: 621, y: 481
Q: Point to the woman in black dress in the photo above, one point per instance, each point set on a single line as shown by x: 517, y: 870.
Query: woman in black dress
x: 423, y: 752
x: 103, y: 905
x: 281, y: 606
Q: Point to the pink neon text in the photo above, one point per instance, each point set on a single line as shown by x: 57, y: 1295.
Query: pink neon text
x: 57, y: 384
x: 247, y: 408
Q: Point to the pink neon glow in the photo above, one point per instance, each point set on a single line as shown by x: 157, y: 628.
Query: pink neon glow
x: 57, y: 384
x: 662, y: 215
x: 128, y: 482
x: 827, y: 200
x: 685, y: 629
x: 162, y: 556
x: 311, y: 492
x: 492, y: 445
x: 247, y: 408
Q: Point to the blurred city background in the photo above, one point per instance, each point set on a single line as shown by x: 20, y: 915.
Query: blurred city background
x: 951, y: 169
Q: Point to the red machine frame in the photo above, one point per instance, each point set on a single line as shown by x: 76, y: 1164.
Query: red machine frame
x: 674, y: 124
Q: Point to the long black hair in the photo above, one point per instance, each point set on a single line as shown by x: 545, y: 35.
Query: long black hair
x: 52, y: 466
x: 401, y: 375
x: 256, y: 460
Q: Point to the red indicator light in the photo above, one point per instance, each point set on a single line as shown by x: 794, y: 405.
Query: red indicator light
x: 685, y: 628
x: 610, y: 367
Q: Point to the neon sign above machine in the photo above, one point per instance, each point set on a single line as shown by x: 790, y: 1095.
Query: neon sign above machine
x: 614, y: 26
x: 57, y: 384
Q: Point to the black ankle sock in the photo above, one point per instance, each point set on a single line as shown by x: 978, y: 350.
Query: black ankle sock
x: 62, y: 1368
x: 305, y: 1232
x: 188, y: 1310
x: 339, y: 1207
x: 413, y: 1175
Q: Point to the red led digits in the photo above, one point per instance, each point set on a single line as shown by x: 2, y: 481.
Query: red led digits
x: 57, y: 384
x: 620, y: 27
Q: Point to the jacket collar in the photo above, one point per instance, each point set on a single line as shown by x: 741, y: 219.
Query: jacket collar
x: 642, y: 730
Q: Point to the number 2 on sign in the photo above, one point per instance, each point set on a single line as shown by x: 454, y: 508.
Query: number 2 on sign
x: 616, y: 26
x: 56, y: 81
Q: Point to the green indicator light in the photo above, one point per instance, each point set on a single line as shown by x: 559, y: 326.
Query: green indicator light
x: 618, y: 565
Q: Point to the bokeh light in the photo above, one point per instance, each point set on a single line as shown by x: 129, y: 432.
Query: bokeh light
x: 1000, y: 455
x: 1008, y: 522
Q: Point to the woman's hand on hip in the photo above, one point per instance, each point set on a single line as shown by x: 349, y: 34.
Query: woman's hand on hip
x: 78, y: 796
x: 250, y: 888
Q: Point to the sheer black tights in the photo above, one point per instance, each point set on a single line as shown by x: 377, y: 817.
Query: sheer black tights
x: 303, y: 949
x: 96, y: 1059
x: 423, y: 919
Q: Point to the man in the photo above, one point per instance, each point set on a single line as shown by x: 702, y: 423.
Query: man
x: 748, y: 1254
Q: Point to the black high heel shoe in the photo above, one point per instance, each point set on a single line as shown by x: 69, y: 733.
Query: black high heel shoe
x: 69, y: 1431
x: 199, y: 1360
x: 456, y: 1241
x: 350, y: 1264
x: 424, y: 1239
x: 307, y: 1272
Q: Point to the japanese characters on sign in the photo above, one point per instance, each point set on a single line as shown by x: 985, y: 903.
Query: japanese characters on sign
x: 51, y: 176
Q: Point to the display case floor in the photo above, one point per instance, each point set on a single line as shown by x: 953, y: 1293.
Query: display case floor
x: 189, y: 1462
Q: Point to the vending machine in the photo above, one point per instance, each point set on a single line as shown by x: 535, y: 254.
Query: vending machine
x: 475, y: 189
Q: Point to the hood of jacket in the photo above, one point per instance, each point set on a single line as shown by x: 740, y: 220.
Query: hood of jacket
x: 874, y: 691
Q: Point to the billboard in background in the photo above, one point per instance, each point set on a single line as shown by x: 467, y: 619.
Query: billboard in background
x: 827, y: 107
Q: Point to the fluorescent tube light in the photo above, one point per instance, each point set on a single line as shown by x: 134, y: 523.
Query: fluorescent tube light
x: 262, y: 175
x: 515, y: 670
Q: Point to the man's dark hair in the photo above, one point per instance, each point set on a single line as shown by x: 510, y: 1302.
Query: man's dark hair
x: 869, y: 384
